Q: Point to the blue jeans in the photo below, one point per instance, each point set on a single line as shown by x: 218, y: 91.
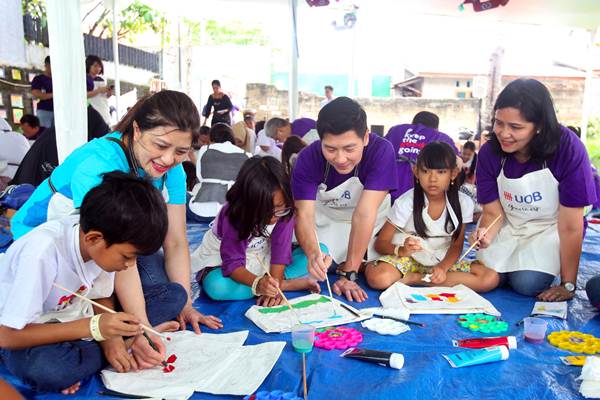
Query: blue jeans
x: 46, y: 118
x: 192, y: 217
x: 219, y: 287
x: 54, y: 367
x: 527, y: 283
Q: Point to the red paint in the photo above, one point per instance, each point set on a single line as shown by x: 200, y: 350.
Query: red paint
x: 480, y: 343
x: 168, y: 369
x: 168, y: 339
x: 172, y: 358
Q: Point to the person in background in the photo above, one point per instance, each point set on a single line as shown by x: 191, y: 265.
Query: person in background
x: 482, y: 137
x: 41, y: 89
x: 328, y: 96
x: 216, y: 169
x: 289, y: 153
x: 98, y: 93
x: 13, y: 147
x: 200, y: 139
x: 221, y: 104
x: 30, y: 124
x: 244, y: 133
x: 301, y: 126
x: 408, y: 140
x: 268, y: 141
x: 466, y: 178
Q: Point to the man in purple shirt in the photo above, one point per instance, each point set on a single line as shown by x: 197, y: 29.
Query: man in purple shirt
x: 41, y: 89
x: 408, y: 140
x: 340, y: 185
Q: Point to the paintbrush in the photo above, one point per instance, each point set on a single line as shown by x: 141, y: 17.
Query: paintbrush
x: 404, y: 321
x: 478, y: 240
x: 326, y: 276
x: 415, y: 236
x: 154, y: 347
x: 147, y: 328
x: 304, y: 376
x: 348, y: 308
x: 264, y: 267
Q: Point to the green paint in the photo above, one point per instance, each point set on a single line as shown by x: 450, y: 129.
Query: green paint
x: 302, y: 304
x: 303, y: 346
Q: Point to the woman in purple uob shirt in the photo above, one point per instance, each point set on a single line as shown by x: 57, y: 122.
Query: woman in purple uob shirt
x: 535, y: 174
x: 253, y: 230
x: 341, y: 185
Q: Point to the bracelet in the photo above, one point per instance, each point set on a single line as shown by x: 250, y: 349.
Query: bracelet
x: 397, y: 250
x: 255, y: 285
x: 95, y: 328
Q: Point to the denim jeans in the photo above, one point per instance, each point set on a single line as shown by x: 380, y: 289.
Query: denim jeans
x: 46, y: 118
x: 57, y: 366
x: 527, y: 283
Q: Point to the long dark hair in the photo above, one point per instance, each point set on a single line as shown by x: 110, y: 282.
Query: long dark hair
x: 250, y: 198
x: 534, y: 101
x: 436, y: 155
x: 291, y: 148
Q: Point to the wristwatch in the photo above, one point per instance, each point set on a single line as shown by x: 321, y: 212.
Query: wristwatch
x: 350, y: 275
x: 569, y: 286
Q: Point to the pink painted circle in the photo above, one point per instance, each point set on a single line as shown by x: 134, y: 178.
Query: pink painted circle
x: 338, y: 338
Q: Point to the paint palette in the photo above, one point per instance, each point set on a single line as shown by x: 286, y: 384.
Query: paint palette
x: 482, y: 323
x: 385, y: 326
x: 337, y: 338
x: 574, y: 341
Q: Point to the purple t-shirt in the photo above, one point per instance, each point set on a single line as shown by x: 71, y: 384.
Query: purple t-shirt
x: 43, y: 83
x: 408, y: 140
x: 89, y: 83
x: 301, y: 126
x: 570, y: 166
x: 376, y: 169
x: 233, y: 250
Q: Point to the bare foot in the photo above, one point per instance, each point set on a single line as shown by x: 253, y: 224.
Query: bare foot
x: 413, y: 278
x: 71, y: 389
x: 300, y: 284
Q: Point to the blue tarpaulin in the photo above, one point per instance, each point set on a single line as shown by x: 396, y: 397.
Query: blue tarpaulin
x: 531, y: 372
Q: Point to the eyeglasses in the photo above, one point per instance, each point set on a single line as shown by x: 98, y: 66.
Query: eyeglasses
x: 282, y: 212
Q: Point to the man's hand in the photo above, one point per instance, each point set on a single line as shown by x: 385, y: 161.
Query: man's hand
x: 318, y: 264
x: 190, y: 315
x: 556, y: 293
x: 351, y: 290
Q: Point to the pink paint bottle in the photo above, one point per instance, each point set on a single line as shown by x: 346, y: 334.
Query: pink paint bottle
x: 479, y: 343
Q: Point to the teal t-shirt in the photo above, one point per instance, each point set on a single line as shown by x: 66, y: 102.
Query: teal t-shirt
x: 81, y: 171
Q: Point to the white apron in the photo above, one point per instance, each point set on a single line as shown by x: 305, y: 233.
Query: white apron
x: 333, y: 215
x: 437, y: 243
x: 528, y: 239
x: 209, y: 252
x: 100, y: 102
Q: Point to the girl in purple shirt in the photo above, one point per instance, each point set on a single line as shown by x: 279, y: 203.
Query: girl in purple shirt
x: 536, y: 175
x: 252, y: 231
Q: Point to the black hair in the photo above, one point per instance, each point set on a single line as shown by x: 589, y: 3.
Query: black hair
x: 341, y: 115
x: 190, y: 175
x: 471, y: 146
x: 164, y: 108
x: 30, y: 120
x: 575, y: 129
x: 215, y: 82
x: 126, y: 209
x: 534, y: 101
x: 91, y: 60
x: 203, y: 131
x: 329, y: 87
x: 259, y: 126
x: 47, y: 60
x: 291, y: 148
x: 436, y: 155
x: 221, y: 133
x: 250, y: 198
x: 427, y: 119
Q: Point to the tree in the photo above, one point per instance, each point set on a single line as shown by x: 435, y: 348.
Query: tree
x: 35, y: 8
x: 231, y: 33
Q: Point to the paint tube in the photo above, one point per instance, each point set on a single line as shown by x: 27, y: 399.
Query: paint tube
x: 384, y: 358
x: 479, y: 356
x: 480, y: 343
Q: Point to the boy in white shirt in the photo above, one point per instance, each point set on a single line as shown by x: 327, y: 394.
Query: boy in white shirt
x: 44, y: 330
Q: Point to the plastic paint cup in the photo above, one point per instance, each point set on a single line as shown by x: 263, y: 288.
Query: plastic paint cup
x: 535, y: 329
x: 303, y: 338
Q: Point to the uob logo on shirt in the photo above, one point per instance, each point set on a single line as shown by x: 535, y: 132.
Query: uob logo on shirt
x: 527, y: 199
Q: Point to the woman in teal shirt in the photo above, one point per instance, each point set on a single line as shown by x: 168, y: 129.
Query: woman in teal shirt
x: 152, y: 140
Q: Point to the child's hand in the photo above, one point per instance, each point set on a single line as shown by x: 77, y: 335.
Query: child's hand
x: 119, y: 324
x: 411, y: 245
x: 483, y: 237
x: 266, y: 301
x: 115, y: 351
x: 267, y: 286
x: 438, y: 275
